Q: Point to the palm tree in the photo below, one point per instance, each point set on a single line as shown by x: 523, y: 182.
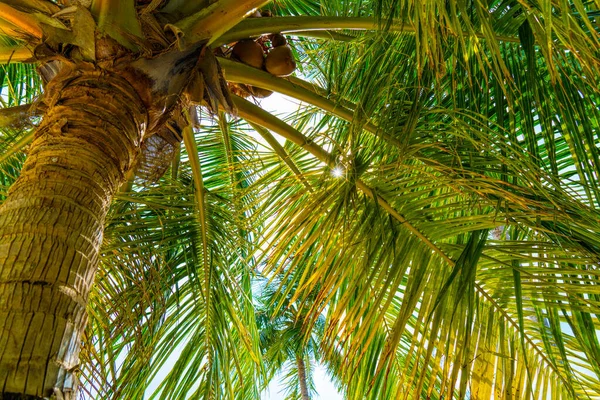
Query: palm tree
x: 288, y: 348
x: 441, y: 120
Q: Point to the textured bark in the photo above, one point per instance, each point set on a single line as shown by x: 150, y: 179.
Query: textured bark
x: 302, y: 378
x: 51, y: 227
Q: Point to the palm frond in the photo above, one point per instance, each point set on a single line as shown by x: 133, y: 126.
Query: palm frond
x: 202, y: 341
x: 452, y: 254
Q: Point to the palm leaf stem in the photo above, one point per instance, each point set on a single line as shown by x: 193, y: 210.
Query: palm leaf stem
x: 17, y: 115
x: 10, y: 31
x: 127, y: 186
x: 14, y: 54
x: 176, y: 162
x: 325, y: 35
x: 43, y: 6
x: 119, y: 19
x: 241, y: 73
x: 224, y: 127
x: 216, y: 19
x: 194, y: 158
x: 13, y: 149
x: 258, y: 116
x: 258, y: 26
x: 261, y: 117
x: 280, y: 151
x: 23, y: 21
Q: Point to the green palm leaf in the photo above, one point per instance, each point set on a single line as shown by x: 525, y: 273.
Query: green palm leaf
x: 431, y: 211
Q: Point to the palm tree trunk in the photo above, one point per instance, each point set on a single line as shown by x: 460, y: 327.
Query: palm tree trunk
x: 51, y: 227
x: 302, y: 378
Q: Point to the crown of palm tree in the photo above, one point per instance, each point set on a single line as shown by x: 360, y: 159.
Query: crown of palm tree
x: 454, y: 249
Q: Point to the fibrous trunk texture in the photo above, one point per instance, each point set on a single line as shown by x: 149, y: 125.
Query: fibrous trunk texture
x: 302, y: 378
x: 51, y: 227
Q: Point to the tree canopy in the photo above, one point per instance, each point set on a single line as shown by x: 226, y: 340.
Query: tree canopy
x: 435, y: 197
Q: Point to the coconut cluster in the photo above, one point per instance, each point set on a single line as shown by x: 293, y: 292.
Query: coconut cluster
x: 268, y: 52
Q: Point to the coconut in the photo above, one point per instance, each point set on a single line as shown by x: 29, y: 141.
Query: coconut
x: 277, y: 39
x: 259, y: 92
x: 280, y: 61
x: 249, y: 52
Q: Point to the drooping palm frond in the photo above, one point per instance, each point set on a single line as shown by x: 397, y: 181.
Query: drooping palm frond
x: 455, y: 257
x: 19, y: 87
x: 446, y: 183
x: 376, y: 282
x: 174, y: 313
